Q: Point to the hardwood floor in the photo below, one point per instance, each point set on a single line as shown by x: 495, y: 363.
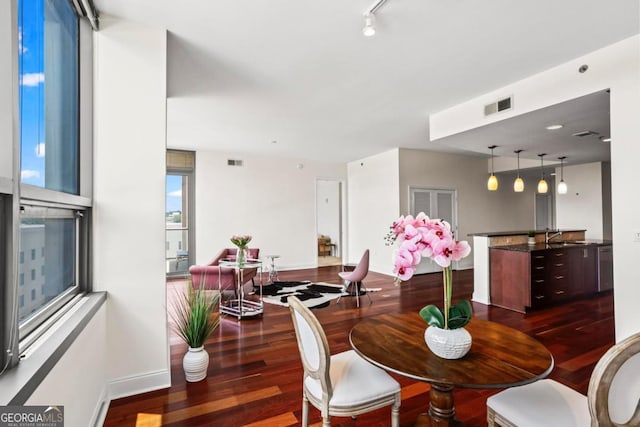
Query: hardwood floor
x: 255, y: 374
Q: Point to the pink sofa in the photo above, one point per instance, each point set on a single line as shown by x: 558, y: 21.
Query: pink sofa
x: 228, y: 278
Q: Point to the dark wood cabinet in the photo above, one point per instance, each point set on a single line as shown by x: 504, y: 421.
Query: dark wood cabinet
x: 524, y: 280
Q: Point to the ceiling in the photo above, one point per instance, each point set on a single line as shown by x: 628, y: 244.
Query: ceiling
x: 295, y: 78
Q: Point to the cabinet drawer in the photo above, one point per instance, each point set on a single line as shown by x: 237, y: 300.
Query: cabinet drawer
x: 559, y: 285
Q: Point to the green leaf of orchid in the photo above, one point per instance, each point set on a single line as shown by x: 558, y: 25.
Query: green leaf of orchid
x: 460, y: 314
x: 432, y: 315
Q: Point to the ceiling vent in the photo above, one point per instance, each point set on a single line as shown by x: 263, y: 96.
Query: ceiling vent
x: 500, y: 105
x: 585, y: 133
x: 232, y: 162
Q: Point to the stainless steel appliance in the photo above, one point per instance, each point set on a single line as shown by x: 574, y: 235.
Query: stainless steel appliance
x: 605, y: 268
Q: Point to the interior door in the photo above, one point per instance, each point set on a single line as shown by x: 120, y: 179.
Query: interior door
x: 436, y: 203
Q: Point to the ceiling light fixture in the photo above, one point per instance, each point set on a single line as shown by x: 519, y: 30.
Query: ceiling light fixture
x: 605, y: 138
x: 492, y: 183
x: 542, y: 184
x: 518, y: 184
x: 554, y: 127
x: 369, y: 28
x: 562, y: 186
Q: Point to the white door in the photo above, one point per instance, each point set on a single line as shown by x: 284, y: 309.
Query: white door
x: 436, y: 204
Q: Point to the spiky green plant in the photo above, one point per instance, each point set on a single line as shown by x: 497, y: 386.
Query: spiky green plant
x: 195, y: 315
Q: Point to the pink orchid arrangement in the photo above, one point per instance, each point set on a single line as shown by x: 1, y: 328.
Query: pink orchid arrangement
x: 240, y: 240
x: 422, y: 237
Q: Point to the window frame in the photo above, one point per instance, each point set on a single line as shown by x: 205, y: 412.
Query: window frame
x: 16, y: 194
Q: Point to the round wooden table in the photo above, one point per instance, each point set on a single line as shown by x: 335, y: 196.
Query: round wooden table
x: 499, y: 357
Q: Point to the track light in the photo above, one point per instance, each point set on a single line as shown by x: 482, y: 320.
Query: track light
x: 562, y: 186
x: 542, y: 184
x: 518, y: 184
x: 492, y: 183
x: 369, y: 29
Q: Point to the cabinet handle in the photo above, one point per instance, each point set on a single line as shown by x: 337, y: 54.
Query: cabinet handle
x: 539, y: 297
x: 539, y: 268
x: 560, y: 254
x: 539, y: 256
x: 539, y: 281
x: 559, y: 264
x: 559, y: 277
x: 559, y: 292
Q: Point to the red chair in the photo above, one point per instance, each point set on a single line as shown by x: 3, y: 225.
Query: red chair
x: 353, y: 279
x: 228, y: 278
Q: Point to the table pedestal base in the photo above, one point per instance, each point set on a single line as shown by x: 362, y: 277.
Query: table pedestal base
x: 441, y: 413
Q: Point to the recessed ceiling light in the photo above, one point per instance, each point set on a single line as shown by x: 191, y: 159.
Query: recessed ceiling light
x: 274, y: 142
x: 554, y: 127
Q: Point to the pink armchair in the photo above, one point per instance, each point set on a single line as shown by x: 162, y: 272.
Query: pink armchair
x: 228, y: 278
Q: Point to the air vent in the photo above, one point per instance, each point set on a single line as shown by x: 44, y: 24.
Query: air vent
x: 500, y: 105
x: 232, y: 162
x: 585, y: 133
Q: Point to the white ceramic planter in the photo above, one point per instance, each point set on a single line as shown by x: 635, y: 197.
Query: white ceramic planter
x: 448, y: 343
x: 195, y: 364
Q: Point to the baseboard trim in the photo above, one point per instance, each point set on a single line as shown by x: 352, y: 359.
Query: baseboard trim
x: 137, y: 384
x: 100, y: 412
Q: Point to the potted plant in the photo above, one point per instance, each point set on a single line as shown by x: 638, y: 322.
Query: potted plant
x: 241, y: 242
x: 532, y: 237
x: 194, y: 318
x: 432, y: 238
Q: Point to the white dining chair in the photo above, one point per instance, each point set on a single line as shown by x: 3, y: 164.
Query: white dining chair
x: 613, y: 397
x: 340, y: 385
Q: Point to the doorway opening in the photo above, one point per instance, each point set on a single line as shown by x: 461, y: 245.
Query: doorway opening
x: 329, y: 222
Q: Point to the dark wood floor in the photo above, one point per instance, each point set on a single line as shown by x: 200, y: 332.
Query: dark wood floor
x: 255, y: 374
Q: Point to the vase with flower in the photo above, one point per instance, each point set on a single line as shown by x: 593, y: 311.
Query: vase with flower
x: 241, y: 242
x: 422, y: 237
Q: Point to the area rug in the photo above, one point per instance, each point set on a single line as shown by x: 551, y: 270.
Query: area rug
x: 312, y: 295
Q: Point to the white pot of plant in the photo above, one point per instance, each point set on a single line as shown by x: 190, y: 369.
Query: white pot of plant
x: 195, y: 364
x: 448, y: 343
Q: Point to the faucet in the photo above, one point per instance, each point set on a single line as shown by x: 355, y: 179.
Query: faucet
x: 548, y: 238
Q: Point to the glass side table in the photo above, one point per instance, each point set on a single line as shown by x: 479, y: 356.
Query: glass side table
x: 273, y: 272
x: 240, y: 306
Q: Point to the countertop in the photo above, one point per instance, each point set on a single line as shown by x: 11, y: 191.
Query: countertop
x: 555, y: 245
x: 521, y: 232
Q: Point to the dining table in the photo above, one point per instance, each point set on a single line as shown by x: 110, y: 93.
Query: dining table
x: 500, y: 357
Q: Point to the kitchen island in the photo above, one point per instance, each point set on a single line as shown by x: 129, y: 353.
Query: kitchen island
x: 528, y: 277
x: 485, y: 240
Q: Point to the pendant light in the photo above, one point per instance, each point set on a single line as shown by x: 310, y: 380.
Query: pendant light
x: 492, y: 183
x: 518, y: 184
x: 562, y: 186
x: 542, y: 184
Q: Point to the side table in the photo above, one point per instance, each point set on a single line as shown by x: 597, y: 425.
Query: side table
x: 273, y: 272
x: 240, y: 306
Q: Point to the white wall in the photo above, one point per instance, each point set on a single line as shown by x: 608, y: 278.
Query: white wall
x: 129, y: 202
x: 328, y: 211
x: 581, y: 207
x: 616, y: 67
x: 78, y: 381
x: 374, y: 203
x: 479, y: 210
x: 273, y: 200
x: 6, y: 94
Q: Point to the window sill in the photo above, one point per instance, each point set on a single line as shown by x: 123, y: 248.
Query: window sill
x: 17, y: 384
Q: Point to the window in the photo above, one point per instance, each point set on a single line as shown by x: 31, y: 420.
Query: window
x: 49, y: 111
x: 55, y: 160
x: 21, y: 301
